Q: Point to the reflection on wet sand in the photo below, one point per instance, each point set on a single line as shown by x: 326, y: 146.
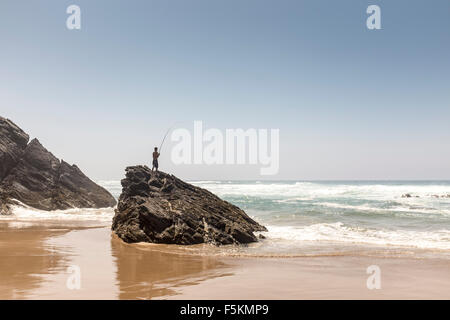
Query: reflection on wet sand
x: 34, y: 261
x: 146, y: 272
x: 25, y: 259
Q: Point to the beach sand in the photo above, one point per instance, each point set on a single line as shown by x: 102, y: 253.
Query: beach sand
x: 34, y: 263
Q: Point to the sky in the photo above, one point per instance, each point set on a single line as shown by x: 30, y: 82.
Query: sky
x: 350, y: 103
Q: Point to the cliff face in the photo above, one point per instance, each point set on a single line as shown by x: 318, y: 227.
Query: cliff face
x: 160, y: 208
x: 13, y: 142
x: 31, y: 174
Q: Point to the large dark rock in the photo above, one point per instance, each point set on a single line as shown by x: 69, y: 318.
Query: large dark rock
x: 160, y: 208
x: 32, y: 175
x: 13, y: 142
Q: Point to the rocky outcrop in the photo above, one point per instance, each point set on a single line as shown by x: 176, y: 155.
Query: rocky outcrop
x: 160, y: 208
x: 407, y: 195
x: 13, y: 142
x: 32, y: 175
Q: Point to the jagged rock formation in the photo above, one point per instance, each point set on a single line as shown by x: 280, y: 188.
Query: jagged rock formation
x: 32, y: 175
x: 160, y: 208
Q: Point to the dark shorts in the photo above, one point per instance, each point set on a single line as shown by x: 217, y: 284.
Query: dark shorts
x: 155, y: 163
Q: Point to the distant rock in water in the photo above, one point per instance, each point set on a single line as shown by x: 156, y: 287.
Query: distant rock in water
x: 406, y: 195
x: 32, y: 175
x: 160, y: 208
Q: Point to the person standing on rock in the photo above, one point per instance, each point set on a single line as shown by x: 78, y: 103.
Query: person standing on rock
x: 155, y: 159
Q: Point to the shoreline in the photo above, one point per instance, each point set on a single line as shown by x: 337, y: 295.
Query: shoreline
x: 34, y: 262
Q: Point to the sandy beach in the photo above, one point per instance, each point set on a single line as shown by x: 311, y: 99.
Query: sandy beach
x: 34, y: 262
x: 224, y: 150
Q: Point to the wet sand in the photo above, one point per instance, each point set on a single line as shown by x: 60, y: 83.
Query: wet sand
x: 327, y: 278
x: 34, y: 263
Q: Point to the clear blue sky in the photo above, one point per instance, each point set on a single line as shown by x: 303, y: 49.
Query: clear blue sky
x: 350, y: 103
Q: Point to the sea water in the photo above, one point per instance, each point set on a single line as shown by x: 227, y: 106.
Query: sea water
x: 317, y: 217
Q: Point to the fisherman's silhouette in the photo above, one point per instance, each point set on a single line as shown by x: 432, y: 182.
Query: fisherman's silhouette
x: 155, y: 159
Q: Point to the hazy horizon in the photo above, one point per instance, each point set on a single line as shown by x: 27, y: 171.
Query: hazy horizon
x: 350, y: 103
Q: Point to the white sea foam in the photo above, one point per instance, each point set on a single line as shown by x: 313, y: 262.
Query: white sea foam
x: 109, y: 183
x: 24, y: 214
x: 339, y: 233
x: 341, y: 195
x: 404, y: 209
x: 317, y: 190
x: 205, y: 182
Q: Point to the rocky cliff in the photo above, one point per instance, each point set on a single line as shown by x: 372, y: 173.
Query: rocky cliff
x: 160, y: 208
x: 31, y: 174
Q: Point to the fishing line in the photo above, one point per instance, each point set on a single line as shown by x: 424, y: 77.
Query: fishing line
x: 167, y: 132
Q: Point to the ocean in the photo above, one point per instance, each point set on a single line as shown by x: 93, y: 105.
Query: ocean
x: 335, y: 217
x: 322, y: 238
x: 308, y: 218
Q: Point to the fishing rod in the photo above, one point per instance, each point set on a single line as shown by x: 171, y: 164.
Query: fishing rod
x: 164, y: 139
x: 165, y: 136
